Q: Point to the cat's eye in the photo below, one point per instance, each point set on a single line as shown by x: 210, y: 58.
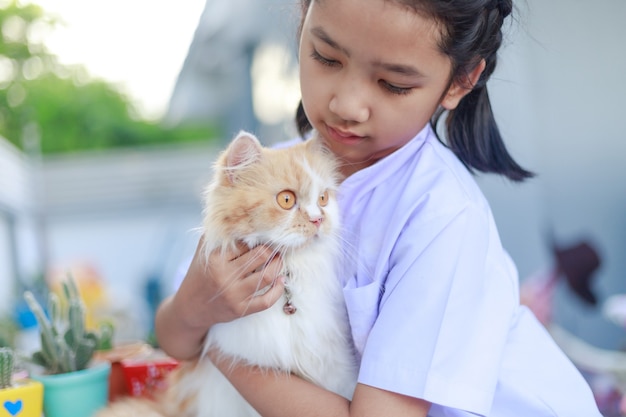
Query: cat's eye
x: 286, y: 199
x: 323, y: 199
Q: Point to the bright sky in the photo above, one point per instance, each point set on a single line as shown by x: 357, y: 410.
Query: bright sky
x: 138, y: 44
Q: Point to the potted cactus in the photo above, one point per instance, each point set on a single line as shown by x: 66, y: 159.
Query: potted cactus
x: 73, y: 385
x: 19, y: 398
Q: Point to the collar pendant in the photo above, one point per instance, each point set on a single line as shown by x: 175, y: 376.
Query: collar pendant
x: 288, y: 308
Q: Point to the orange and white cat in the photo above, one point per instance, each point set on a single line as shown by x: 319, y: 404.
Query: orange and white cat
x: 284, y: 198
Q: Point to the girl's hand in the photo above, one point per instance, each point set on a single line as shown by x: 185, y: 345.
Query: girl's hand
x: 226, y: 285
x: 220, y: 288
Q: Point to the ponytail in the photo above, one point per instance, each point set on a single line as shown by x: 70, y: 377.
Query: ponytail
x: 473, y: 31
x: 474, y: 137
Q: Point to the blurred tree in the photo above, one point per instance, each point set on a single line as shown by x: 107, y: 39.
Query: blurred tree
x: 48, y: 107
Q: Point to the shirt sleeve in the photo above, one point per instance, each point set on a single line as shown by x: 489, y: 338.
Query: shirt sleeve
x: 444, y: 313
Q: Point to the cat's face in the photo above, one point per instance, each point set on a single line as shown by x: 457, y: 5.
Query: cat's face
x: 281, y: 197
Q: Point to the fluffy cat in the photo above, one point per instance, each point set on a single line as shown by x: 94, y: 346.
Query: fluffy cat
x: 284, y: 198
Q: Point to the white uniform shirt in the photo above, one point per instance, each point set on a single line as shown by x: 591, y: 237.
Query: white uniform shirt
x: 433, y: 297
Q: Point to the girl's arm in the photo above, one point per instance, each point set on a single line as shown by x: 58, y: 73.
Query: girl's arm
x: 175, y: 337
x: 221, y: 288
x: 275, y: 394
x: 216, y: 289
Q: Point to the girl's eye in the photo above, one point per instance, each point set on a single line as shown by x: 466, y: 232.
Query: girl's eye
x: 322, y: 60
x: 395, y: 89
x: 286, y: 199
x: 323, y: 199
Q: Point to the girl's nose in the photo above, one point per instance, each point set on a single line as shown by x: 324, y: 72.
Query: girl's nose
x: 349, y: 104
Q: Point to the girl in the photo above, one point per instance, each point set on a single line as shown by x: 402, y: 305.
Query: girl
x: 433, y: 300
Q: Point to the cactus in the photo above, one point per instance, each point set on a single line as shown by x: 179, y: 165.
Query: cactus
x: 66, y: 345
x: 6, y: 367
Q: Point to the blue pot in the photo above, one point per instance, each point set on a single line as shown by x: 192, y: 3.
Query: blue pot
x: 76, y: 394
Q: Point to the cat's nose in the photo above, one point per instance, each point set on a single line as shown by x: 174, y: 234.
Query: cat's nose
x: 317, y: 220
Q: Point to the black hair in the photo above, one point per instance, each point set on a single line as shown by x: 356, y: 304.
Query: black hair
x: 471, y: 32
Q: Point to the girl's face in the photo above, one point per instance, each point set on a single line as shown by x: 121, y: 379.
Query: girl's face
x: 371, y: 77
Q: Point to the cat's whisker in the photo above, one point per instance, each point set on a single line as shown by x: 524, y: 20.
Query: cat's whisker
x: 238, y: 272
x: 349, y: 250
x: 259, y: 290
x: 198, y: 230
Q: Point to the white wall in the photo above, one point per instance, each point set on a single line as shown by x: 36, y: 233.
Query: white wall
x: 125, y: 216
x: 16, y: 210
x: 559, y: 97
x: 6, y: 263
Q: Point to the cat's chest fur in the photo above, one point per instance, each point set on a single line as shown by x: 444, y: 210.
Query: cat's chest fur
x: 313, y: 343
x: 314, y: 340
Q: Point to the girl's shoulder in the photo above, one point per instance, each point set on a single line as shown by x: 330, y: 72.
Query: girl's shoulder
x: 421, y: 187
x: 434, y: 179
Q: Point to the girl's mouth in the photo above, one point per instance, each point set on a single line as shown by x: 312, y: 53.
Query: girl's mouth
x: 342, y: 136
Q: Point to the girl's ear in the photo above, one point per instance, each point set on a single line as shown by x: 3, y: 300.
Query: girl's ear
x: 462, y: 87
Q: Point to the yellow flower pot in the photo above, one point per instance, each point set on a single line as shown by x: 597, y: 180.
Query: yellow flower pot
x: 23, y: 399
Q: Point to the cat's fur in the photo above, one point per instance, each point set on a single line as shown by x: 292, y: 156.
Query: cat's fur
x: 313, y: 343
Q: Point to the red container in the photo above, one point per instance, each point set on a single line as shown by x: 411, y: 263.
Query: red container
x: 146, y: 376
x: 137, y: 369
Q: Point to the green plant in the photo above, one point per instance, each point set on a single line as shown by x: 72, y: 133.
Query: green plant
x: 8, y: 331
x: 6, y: 367
x: 105, y: 338
x: 66, y: 345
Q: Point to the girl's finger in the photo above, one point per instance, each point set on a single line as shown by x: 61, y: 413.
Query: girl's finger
x: 269, y: 298
x: 263, y: 277
x: 256, y: 259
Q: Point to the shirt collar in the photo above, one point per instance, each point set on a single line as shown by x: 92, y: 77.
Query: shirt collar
x: 361, y: 182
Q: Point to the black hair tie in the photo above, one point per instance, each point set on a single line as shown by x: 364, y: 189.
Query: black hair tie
x: 504, y: 7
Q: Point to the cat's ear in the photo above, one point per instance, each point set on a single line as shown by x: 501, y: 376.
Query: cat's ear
x: 243, y: 151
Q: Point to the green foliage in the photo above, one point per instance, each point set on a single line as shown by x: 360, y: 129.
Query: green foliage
x: 14, y: 43
x: 8, y: 331
x: 6, y: 367
x: 73, y: 117
x: 66, y: 345
x: 105, y: 339
x: 51, y: 108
